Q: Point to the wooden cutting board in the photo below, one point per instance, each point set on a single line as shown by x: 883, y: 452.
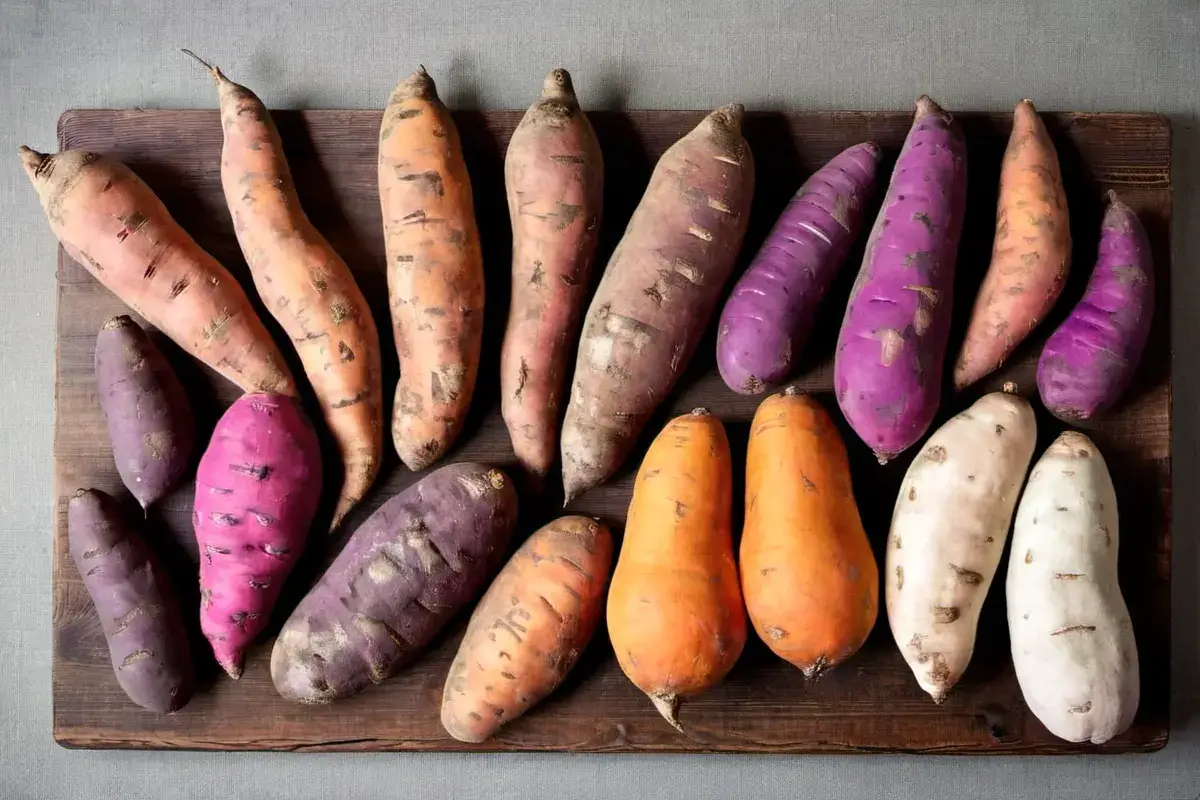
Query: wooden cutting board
x: 870, y: 704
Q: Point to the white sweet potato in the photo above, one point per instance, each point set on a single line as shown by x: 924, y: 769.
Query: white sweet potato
x: 948, y: 532
x: 1072, y: 640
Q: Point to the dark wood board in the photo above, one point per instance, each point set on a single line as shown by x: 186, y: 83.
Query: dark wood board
x: 870, y: 704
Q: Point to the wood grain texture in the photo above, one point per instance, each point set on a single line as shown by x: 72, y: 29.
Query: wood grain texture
x: 870, y: 704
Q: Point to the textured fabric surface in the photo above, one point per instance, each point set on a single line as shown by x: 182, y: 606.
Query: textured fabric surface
x: 1068, y: 55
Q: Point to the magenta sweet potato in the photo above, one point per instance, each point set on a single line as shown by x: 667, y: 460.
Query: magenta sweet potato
x: 767, y: 319
x: 147, y: 640
x: 401, y: 577
x: 888, y: 364
x: 257, y: 489
x: 149, y: 419
x: 1088, y: 362
x: 657, y: 295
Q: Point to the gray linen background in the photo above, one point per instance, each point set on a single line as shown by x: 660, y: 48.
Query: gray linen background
x: 808, y: 54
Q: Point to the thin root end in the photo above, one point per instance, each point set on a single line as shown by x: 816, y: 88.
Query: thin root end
x: 791, y: 391
x: 119, y: 321
x: 557, y: 83
x: 729, y: 116
x: 1009, y: 387
x: 214, y: 71
x: 668, y: 706
x: 883, y: 458
x: 926, y: 106
x: 232, y: 669
x: 700, y: 412
x: 31, y: 159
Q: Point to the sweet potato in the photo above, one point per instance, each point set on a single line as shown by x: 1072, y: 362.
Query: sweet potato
x: 434, y: 269
x: 1072, y: 639
x: 147, y: 640
x: 767, y: 319
x: 305, y: 285
x: 529, y: 629
x: 948, y: 530
x: 1030, y: 255
x: 402, y: 576
x: 675, y: 613
x: 112, y: 224
x: 149, y: 419
x: 1088, y: 362
x: 657, y: 295
x: 887, y: 370
x: 257, y: 489
x: 554, y: 176
x: 808, y: 575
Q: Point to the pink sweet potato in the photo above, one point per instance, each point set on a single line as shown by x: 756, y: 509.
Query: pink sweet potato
x: 888, y: 365
x: 147, y: 640
x: 402, y: 576
x: 149, y: 419
x: 767, y: 319
x: 1088, y: 362
x: 657, y: 295
x: 257, y: 489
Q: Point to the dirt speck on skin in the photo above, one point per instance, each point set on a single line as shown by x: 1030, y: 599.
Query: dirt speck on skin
x: 945, y: 614
x: 775, y: 632
x: 936, y: 454
x: 899, y: 578
x: 967, y: 576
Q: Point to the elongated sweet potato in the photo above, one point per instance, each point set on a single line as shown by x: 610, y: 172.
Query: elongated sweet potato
x: 808, y: 574
x: 434, y: 268
x: 767, y: 319
x: 112, y: 224
x: 657, y: 295
x: 149, y: 419
x: 257, y: 489
x: 402, y: 576
x: 305, y: 285
x: 146, y: 637
x: 529, y: 629
x: 1088, y: 362
x: 554, y: 176
x: 887, y: 371
x: 1031, y: 253
x: 675, y: 612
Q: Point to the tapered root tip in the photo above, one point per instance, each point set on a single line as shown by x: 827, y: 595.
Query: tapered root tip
x: 1112, y: 197
x: 119, y: 321
x: 232, y: 669
x: 883, y: 458
x: 32, y: 160
x: 926, y: 106
x: 668, y: 706
x: 729, y: 116
x: 217, y: 76
x: 1009, y: 387
x: 419, y: 84
x: 558, y: 82
x: 791, y: 391
x: 700, y: 412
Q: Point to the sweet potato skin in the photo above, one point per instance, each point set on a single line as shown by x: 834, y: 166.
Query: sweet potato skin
x: 1031, y: 253
x: 147, y: 640
x: 657, y: 295
x: 768, y: 317
x: 400, y: 578
x: 554, y: 177
x: 149, y: 419
x: 109, y: 221
x: 529, y: 629
x: 1088, y: 362
x: 888, y: 364
x: 809, y: 577
x: 306, y: 286
x: 434, y: 270
x: 675, y: 613
x: 257, y: 489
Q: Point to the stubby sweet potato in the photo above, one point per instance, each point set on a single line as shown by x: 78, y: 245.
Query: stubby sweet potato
x: 401, y: 577
x: 149, y: 419
x: 1088, y: 362
x: 147, y: 640
x: 657, y: 295
x: 887, y: 371
x: 257, y: 489
x: 767, y: 319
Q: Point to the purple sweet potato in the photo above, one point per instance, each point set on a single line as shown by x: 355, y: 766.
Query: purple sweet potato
x: 767, y: 319
x: 401, y: 577
x: 1088, y: 362
x: 888, y: 367
x: 257, y: 489
x: 147, y: 640
x: 150, y: 422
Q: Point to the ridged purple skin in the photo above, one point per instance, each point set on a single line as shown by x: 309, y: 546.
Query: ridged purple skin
x: 888, y: 368
x: 403, y: 575
x: 1088, y: 362
x: 767, y: 319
